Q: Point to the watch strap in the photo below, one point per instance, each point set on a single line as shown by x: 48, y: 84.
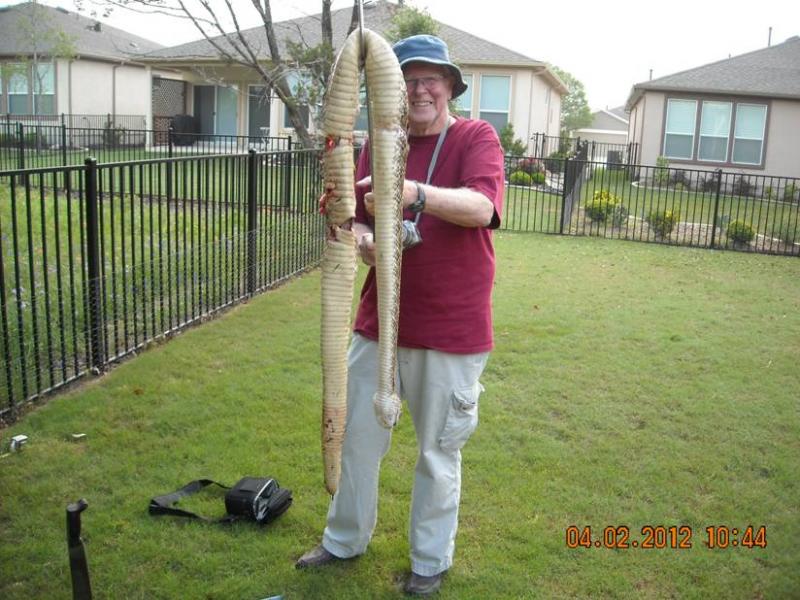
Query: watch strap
x: 419, y: 204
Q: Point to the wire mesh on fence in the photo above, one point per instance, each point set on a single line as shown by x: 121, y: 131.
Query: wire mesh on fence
x: 97, y: 261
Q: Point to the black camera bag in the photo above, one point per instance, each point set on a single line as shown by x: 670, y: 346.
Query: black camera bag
x: 258, y: 499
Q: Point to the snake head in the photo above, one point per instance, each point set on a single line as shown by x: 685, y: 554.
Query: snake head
x: 387, y: 409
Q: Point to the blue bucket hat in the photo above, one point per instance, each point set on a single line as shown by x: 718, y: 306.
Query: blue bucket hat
x: 432, y: 50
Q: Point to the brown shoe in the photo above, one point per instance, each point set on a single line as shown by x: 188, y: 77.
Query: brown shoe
x: 316, y: 557
x: 420, y: 585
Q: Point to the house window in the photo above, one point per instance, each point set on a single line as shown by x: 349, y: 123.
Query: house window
x: 728, y: 132
x: 748, y: 137
x: 679, y: 132
x: 294, y: 81
x: 258, y: 104
x: 362, y: 122
x: 495, y: 100
x: 715, y: 127
x: 464, y: 101
x: 18, y: 90
x: 44, y: 90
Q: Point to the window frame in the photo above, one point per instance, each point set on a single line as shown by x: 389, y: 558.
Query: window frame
x: 37, y: 94
x: 15, y: 70
x: 293, y: 80
x: 693, y: 147
x: 763, y: 132
x: 469, y: 79
x: 268, y: 98
x: 507, y: 112
x: 700, y: 135
x: 25, y: 70
x: 735, y: 102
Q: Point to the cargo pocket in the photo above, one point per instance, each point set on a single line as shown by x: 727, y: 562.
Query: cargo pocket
x: 462, y: 417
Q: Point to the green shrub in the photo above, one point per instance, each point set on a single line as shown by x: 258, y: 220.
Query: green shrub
x: 661, y: 174
x: 789, y: 231
x: 662, y: 222
x: 555, y: 162
x: 744, y: 187
x: 531, y: 166
x: 789, y: 191
x: 740, y: 232
x: 538, y: 178
x: 680, y: 180
x: 601, y: 206
x: 511, y: 145
x: 520, y: 178
x: 619, y: 216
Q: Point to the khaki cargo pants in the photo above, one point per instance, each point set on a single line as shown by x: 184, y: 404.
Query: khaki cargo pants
x: 441, y: 391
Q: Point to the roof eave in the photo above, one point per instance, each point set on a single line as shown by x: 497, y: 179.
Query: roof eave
x: 640, y: 90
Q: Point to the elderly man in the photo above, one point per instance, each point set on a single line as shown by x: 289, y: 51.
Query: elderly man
x: 453, y: 193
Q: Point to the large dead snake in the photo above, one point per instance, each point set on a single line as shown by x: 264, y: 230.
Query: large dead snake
x: 388, y: 112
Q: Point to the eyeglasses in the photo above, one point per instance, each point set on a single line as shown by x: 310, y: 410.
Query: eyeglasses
x: 428, y: 83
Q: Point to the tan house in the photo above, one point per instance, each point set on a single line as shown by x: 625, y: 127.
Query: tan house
x: 608, y: 131
x: 101, y: 76
x: 504, y: 86
x: 740, y: 114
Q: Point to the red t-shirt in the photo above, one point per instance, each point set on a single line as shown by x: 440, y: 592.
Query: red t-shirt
x: 446, y: 281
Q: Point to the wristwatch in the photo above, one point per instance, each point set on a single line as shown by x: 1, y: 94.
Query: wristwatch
x: 419, y: 204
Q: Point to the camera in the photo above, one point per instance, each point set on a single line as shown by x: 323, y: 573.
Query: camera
x: 411, y: 235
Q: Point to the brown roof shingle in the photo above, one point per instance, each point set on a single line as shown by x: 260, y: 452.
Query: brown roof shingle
x: 772, y: 72
x: 88, y: 39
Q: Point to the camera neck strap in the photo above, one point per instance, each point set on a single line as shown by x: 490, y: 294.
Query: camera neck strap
x: 434, y: 158
x: 164, y: 505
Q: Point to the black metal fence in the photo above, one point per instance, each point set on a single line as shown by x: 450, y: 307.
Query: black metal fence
x: 42, y: 144
x: 561, y: 147
x: 96, y: 261
x: 688, y: 207
x: 78, y: 121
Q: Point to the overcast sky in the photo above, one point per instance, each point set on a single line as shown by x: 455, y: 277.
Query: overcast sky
x: 608, y: 46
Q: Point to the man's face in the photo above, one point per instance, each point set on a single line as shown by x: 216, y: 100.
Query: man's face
x: 429, y: 89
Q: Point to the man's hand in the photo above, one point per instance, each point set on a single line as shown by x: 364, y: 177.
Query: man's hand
x: 366, y: 248
x: 409, y: 193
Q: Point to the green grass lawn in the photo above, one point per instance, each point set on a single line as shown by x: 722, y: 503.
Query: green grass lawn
x: 631, y: 385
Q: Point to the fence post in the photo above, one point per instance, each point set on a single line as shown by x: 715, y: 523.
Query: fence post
x: 169, y: 162
x: 287, y: 175
x: 564, y: 194
x: 6, y: 340
x: 252, y: 165
x: 63, y: 143
x: 21, y: 145
x: 716, y: 208
x: 97, y: 359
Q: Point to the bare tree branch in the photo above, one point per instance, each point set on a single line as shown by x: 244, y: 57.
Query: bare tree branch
x: 221, y: 27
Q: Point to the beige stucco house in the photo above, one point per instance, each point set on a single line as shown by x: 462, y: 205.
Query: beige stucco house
x: 100, y: 75
x: 741, y: 114
x: 607, y: 131
x: 504, y: 86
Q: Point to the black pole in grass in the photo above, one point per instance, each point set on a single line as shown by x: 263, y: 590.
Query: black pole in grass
x: 94, y: 283
x: 78, y: 567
